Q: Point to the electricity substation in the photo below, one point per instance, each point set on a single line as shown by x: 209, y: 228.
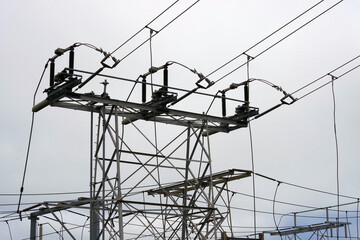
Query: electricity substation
x: 181, y: 202
x: 152, y: 168
x: 139, y: 189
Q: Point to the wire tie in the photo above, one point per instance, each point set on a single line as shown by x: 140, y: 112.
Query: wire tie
x: 332, y: 76
x: 151, y: 30
x: 248, y: 56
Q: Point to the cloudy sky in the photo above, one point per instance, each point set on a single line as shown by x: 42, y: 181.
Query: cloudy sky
x: 293, y: 144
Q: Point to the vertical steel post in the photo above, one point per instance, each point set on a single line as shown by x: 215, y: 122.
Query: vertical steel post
x: 211, y: 186
x: 94, y: 219
x: 94, y: 222
x: 121, y: 231
x: 327, y: 220
x: 33, y: 227
x: 91, y: 177
x: 40, y: 232
x: 184, y: 234
x: 295, y: 225
x: 103, y: 173
x: 345, y: 231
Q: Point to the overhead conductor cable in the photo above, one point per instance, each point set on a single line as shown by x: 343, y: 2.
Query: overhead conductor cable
x: 253, y: 46
x: 117, y: 61
x: 30, y: 137
x: 274, y: 44
x: 211, y: 83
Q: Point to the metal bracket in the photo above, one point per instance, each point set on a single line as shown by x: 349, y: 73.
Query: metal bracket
x: 287, y: 96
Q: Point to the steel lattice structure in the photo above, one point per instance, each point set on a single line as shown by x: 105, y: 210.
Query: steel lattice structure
x: 141, y: 187
x: 147, y: 180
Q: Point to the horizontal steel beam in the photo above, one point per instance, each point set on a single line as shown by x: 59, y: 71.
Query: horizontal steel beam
x: 62, y: 206
x: 168, y: 205
x: 168, y: 111
x: 216, y: 178
x: 160, y: 119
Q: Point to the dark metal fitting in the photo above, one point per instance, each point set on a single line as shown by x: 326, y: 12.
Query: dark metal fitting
x: 248, y: 56
x: 283, y: 100
x: 332, y: 76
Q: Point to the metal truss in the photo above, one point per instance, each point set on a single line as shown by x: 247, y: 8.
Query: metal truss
x: 151, y: 166
x: 181, y: 204
x: 148, y: 182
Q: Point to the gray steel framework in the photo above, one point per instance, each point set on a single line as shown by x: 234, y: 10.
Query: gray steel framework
x: 183, y: 203
x: 141, y: 186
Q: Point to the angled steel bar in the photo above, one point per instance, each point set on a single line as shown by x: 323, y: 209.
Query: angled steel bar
x: 62, y: 224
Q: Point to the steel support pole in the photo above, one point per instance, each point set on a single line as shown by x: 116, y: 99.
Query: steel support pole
x: 94, y: 224
x: 295, y: 225
x: 40, y: 232
x: 103, y: 173
x: 184, y: 234
x: 211, y: 186
x: 120, y: 211
x: 94, y: 219
x: 33, y: 227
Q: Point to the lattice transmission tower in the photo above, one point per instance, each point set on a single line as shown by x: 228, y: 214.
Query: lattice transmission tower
x: 151, y: 165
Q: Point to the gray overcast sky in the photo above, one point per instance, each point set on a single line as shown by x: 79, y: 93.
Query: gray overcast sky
x: 293, y: 143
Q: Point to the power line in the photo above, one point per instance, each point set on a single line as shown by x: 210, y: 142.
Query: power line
x: 273, y: 213
x: 276, y: 43
x: 148, y: 186
x: 325, y: 84
x: 117, y: 61
x: 30, y: 136
x: 156, y: 32
x: 69, y: 193
x: 129, y: 39
x: 41, y: 194
x: 15, y: 204
x: 270, y: 35
x: 295, y: 99
x: 282, y: 39
x: 337, y: 152
x: 332, y: 71
x: 310, y: 208
x: 306, y: 188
